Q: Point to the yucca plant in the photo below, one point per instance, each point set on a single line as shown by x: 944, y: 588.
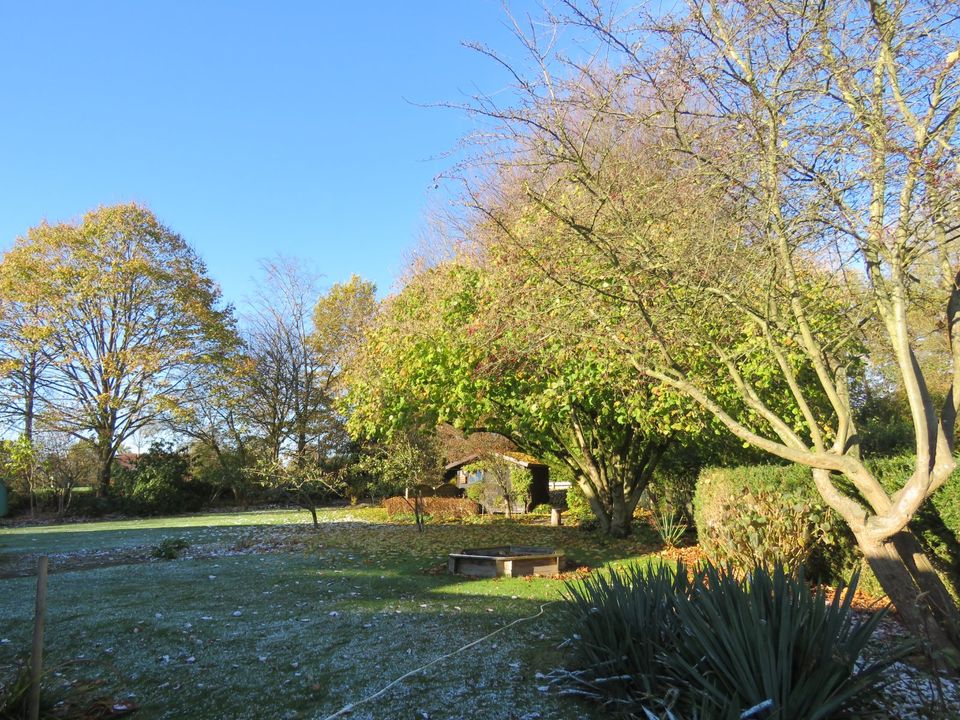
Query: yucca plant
x: 721, y: 646
x: 622, y: 622
x: 15, y: 694
x: 670, y: 527
x: 769, y: 638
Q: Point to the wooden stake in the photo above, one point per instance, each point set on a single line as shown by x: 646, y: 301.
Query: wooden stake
x: 36, y: 658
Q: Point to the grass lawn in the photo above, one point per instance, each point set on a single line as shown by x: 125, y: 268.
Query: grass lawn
x: 243, y: 626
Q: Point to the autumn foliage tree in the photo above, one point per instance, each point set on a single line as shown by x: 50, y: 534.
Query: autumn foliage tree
x: 123, y: 314
x: 768, y: 183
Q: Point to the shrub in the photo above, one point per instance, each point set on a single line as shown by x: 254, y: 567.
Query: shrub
x: 578, y: 507
x: 476, y: 492
x: 623, y: 621
x: 769, y: 514
x: 157, y: 484
x: 670, y: 527
x: 85, y: 503
x: 713, y: 644
x: 170, y: 548
x: 15, y: 691
x: 671, y: 490
x: 442, y: 509
x: 766, y: 512
x: 937, y: 523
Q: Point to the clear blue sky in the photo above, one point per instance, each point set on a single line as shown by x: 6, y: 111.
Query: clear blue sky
x: 251, y: 128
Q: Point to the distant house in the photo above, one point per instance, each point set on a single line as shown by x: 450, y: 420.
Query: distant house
x: 128, y: 461
x: 459, y: 475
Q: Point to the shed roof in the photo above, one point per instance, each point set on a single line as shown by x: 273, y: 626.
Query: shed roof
x: 517, y: 458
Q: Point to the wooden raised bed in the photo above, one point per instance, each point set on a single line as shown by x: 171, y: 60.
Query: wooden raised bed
x: 506, y: 561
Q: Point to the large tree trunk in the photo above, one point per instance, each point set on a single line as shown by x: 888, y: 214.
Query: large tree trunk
x: 104, y: 469
x: 29, y: 400
x: 616, y: 516
x: 921, y: 599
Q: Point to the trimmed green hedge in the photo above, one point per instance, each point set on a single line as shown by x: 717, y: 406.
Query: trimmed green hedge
x: 767, y: 513
x: 937, y: 523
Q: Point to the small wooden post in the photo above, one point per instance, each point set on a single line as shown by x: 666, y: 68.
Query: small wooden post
x: 36, y: 658
x: 555, y: 516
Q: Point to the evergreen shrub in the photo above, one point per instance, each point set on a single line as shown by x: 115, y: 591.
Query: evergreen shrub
x: 765, y: 513
x: 578, y: 507
x: 717, y: 645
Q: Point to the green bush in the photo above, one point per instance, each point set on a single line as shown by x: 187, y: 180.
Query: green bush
x: 763, y: 513
x: 170, y: 548
x: 769, y: 514
x: 578, y: 507
x: 937, y: 523
x: 715, y: 644
x: 521, y: 480
x: 85, y: 503
x: 157, y: 484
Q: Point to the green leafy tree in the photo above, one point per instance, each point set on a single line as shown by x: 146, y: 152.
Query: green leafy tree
x: 68, y: 464
x: 156, y: 482
x: 398, y: 464
x: 25, y: 329
x: 24, y: 468
x: 475, y: 348
x: 304, y: 484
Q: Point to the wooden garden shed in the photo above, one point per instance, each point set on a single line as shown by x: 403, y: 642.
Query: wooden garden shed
x: 457, y: 474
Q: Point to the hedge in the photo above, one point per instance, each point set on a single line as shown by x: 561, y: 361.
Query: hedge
x: 774, y: 512
x: 768, y: 514
x: 439, y: 508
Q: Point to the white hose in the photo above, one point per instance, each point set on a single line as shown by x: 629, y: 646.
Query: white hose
x: 351, y: 706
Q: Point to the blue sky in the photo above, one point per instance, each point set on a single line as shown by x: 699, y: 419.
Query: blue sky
x: 251, y: 128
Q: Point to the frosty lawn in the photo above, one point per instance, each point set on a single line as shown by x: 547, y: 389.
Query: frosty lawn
x: 298, y: 633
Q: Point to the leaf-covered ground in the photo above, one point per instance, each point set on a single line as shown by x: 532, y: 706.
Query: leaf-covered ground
x: 264, y: 617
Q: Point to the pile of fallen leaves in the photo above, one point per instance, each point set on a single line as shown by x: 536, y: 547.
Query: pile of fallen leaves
x: 402, y: 541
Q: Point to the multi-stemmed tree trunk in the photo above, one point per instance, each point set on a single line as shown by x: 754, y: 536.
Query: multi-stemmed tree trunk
x: 761, y: 180
x: 613, y: 472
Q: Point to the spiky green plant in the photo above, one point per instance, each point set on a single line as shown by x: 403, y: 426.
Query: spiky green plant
x: 721, y: 646
x: 769, y: 637
x: 15, y: 693
x: 623, y: 621
x: 670, y: 527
